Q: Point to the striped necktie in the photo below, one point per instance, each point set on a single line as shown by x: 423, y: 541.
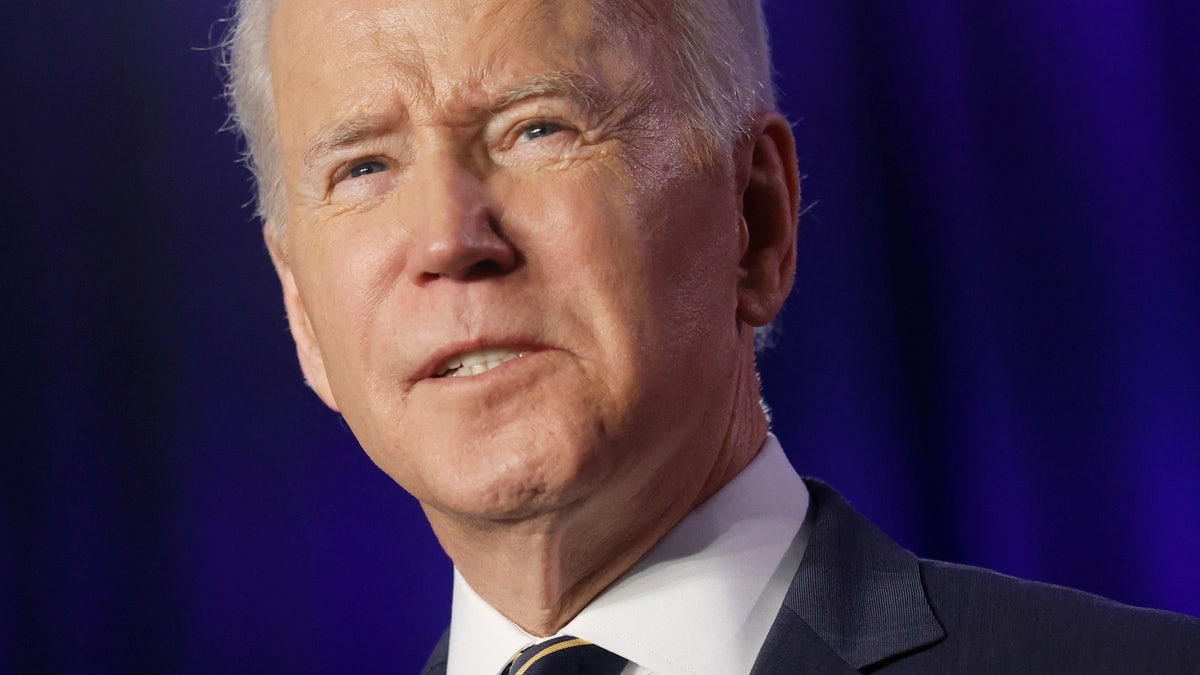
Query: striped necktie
x: 566, y: 655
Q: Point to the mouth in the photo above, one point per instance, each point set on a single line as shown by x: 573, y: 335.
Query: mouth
x: 476, y: 362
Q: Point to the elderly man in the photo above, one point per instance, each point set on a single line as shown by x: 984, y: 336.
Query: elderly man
x: 524, y: 248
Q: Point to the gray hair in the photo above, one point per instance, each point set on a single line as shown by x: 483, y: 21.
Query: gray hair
x: 724, y: 79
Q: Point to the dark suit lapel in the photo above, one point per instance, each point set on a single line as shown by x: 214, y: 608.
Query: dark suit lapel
x: 436, y: 665
x: 792, y: 647
x: 856, y: 600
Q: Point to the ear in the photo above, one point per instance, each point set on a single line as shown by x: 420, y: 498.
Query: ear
x: 767, y: 175
x: 307, y: 348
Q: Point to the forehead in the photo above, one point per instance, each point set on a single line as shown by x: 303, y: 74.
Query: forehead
x: 446, y: 48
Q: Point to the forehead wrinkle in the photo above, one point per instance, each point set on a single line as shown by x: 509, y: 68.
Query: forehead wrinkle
x: 472, y: 88
x: 407, y: 63
x: 571, y: 73
x: 415, y: 87
x: 378, y: 69
x: 507, y: 28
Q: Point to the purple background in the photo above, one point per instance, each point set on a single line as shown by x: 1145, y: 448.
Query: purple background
x: 993, y: 348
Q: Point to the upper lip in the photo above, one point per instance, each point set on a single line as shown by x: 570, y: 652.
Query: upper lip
x: 435, y: 364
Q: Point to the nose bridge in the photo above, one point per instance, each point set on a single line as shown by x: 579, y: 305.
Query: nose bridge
x: 449, y: 189
x: 452, y: 220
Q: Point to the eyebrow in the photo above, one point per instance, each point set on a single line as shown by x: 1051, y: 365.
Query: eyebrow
x: 582, y: 88
x: 350, y: 132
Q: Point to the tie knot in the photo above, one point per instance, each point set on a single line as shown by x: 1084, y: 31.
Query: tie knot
x: 566, y: 655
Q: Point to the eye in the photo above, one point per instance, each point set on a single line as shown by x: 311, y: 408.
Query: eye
x: 363, y: 178
x: 524, y: 138
x: 366, y: 168
x: 539, y: 129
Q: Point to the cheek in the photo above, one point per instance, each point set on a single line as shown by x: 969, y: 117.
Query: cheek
x: 580, y: 231
x: 343, y: 281
x: 652, y: 272
x: 698, y: 259
x: 691, y: 254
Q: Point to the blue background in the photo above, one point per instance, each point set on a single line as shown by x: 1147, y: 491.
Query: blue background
x: 993, y: 348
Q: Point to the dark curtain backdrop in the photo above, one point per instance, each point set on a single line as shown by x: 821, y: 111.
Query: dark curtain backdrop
x: 993, y: 347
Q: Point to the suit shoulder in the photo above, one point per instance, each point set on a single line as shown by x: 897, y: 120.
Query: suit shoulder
x: 1063, y: 627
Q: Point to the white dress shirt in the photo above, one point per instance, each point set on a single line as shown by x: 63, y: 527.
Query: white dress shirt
x: 700, y: 602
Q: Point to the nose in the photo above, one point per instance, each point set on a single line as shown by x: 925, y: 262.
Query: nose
x: 455, y: 234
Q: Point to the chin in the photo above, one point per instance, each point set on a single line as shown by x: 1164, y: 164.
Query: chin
x: 511, y: 476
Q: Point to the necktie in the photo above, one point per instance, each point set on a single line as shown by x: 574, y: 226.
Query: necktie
x: 566, y: 655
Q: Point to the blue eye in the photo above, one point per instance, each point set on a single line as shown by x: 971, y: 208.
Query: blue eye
x: 366, y: 168
x: 538, y: 130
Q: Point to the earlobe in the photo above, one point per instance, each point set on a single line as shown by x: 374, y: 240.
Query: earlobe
x: 312, y: 363
x: 769, y: 179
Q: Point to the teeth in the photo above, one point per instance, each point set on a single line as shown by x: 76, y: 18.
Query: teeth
x: 476, y: 362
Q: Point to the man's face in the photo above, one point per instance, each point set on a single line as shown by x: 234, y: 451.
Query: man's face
x: 504, y: 181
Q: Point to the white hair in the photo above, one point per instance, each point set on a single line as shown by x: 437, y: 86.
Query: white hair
x: 722, y: 65
x: 248, y: 90
x: 719, y: 49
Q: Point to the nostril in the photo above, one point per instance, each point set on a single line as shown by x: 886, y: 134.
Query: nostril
x: 485, y: 269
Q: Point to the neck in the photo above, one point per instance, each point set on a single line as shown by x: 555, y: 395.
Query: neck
x: 541, y: 571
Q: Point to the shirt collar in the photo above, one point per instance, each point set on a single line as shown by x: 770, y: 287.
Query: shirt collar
x: 701, y: 601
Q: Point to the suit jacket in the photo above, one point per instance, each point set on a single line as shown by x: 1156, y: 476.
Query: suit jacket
x: 862, y: 604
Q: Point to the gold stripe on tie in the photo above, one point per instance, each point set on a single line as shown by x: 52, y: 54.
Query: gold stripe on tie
x: 556, y: 647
